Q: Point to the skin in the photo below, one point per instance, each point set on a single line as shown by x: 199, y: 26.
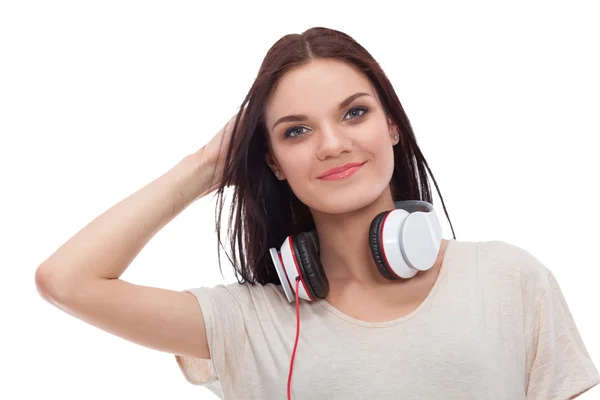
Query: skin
x: 342, y: 209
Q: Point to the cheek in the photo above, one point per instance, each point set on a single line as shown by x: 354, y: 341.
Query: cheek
x: 378, y: 142
x: 382, y: 151
x: 295, y: 166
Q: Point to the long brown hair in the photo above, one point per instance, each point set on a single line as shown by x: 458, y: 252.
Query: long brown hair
x: 264, y: 210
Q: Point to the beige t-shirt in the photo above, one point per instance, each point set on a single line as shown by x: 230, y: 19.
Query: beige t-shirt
x: 494, y: 326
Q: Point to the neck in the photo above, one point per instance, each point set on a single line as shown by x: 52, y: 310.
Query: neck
x: 344, y: 243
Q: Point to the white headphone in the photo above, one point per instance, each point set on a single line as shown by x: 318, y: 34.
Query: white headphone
x: 403, y: 241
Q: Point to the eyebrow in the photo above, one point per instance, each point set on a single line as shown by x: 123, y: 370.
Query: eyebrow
x: 301, y: 117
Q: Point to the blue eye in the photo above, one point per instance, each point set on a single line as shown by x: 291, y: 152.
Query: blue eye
x: 296, y: 131
x: 293, y: 132
x: 356, y: 110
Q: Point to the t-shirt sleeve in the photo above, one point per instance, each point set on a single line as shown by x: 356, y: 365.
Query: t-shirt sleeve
x: 226, y: 337
x: 558, y: 361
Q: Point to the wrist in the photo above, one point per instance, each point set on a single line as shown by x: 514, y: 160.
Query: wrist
x: 193, y: 177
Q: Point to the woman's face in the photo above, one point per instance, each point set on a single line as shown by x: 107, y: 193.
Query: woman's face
x: 326, y: 114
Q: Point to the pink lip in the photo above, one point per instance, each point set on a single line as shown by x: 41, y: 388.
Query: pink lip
x: 341, y: 172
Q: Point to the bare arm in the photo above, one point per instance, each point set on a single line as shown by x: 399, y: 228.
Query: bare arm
x: 108, y: 244
x: 82, y: 276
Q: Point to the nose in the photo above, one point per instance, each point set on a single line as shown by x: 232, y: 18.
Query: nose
x: 333, y: 142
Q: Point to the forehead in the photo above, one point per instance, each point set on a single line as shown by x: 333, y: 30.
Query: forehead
x: 315, y: 87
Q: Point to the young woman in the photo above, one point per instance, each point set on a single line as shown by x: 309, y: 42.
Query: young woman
x: 346, y: 288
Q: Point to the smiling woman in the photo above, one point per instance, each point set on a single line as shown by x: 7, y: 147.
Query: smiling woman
x: 332, y: 219
x: 320, y: 101
x: 339, y: 151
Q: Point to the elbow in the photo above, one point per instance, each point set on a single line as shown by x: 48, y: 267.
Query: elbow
x: 49, y: 285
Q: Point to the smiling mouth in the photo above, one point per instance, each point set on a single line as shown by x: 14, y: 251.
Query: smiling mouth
x: 342, y: 173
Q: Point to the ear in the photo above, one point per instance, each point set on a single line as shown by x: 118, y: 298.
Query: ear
x: 393, y: 129
x: 272, y: 163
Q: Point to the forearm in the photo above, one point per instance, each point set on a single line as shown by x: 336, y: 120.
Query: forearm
x: 108, y: 244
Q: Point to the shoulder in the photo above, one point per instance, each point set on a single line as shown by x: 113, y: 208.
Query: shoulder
x: 245, y: 292
x: 512, y: 257
x: 245, y: 297
x: 508, y: 260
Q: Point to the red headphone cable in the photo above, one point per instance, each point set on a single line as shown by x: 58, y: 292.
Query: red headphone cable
x: 289, y: 387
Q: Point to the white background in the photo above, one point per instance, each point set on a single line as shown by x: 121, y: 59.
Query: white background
x: 99, y: 98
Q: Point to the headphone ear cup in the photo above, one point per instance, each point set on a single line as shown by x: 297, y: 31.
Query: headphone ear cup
x: 310, y: 266
x: 315, y: 238
x: 377, y: 247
